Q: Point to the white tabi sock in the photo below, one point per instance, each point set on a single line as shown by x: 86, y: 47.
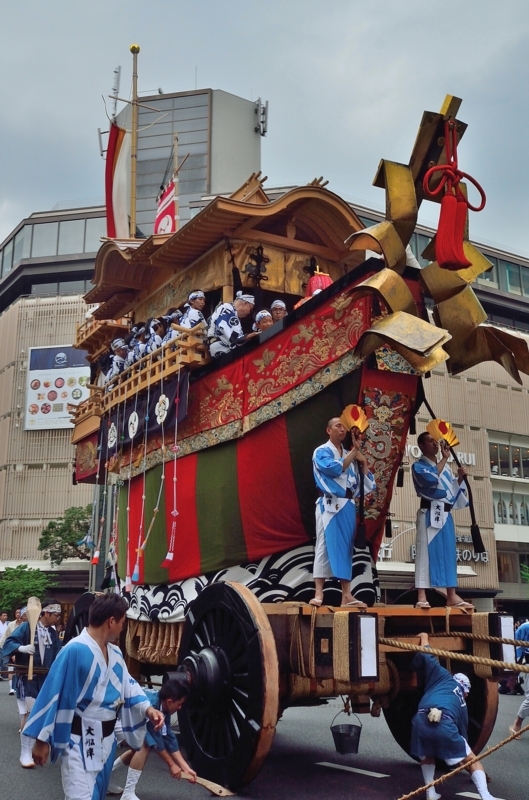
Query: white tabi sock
x: 132, y: 779
x: 428, y: 774
x: 114, y: 787
x: 479, y: 779
x: 26, y: 746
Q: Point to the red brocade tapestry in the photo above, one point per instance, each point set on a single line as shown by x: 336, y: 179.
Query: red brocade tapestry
x: 268, y: 371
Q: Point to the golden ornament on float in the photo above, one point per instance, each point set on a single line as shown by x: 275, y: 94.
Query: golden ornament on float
x: 354, y: 417
x: 441, y: 429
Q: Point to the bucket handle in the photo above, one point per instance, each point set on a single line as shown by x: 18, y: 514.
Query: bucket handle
x: 342, y: 711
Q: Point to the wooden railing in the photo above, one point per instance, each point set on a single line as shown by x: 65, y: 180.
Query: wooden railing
x: 188, y: 350
x: 98, y: 330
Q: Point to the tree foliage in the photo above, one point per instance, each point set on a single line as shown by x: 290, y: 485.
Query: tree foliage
x: 19, y: 583
x: 60, y: 538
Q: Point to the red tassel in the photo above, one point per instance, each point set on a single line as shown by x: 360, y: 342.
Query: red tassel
x: 449, y: 239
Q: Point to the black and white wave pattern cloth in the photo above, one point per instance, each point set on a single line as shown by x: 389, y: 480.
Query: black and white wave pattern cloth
x: 274, y: 579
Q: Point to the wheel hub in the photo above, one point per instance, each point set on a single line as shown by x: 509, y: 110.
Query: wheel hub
x: 210, y: 677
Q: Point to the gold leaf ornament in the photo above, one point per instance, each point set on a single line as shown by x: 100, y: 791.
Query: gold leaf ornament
x: 354, y: 417
x: 441, y: 429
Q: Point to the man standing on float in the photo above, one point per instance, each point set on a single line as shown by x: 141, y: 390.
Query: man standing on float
x: 440, y: 492
x: 338, y: 473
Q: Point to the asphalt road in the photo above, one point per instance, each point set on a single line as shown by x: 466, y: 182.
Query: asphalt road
x: 297, y: 766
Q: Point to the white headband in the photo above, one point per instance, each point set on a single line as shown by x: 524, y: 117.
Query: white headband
x: 52, y: 608
x: 248, y: 298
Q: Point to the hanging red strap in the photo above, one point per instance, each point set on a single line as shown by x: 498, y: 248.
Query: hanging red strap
x: 449, y: 251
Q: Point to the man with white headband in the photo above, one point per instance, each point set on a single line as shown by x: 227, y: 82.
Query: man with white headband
x: 225, y: 331
x: 20, y: 617
x: 119, y: 356
x: 44, y: 649
x: 192, y: 315
x: 263, y: 321
x: 87, y: 688
x: 439, y: 728
x: 278, y: 310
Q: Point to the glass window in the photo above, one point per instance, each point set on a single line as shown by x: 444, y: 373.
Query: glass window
x: 492, y: 276
x: 505, y: 468
x: 524, y: 509
x: 516, y: 469
x: 494, y: 459
x: 508, y: 567
x: 71, y: 287
x: 45, y: 239
x: 71, y: 236
x: 95, y: 229
x: 525, y: 280
x: 44, y: 288
x: 525, y: 462
x: 524, y: 567
x: 7, y: 262
x: 367, y: 221
x: 512, y: 275
x: 22, y: 244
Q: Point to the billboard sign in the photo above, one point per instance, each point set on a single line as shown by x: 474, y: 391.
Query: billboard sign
x: 56, y: 377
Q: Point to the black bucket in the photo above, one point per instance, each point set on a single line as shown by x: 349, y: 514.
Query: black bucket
x: 346, y: 737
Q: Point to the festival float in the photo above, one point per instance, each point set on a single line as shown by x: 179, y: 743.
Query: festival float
x: 205, y: 466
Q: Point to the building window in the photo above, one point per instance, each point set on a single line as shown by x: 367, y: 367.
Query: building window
x: 490, y: 278
x: 72, y: 287
x: 44, y: 288
x: 45, y: 239
x: 509, y: 461
x: 96, y: 227
x: 71, y: 236
x: 524, y: 567
x: 7, y: 261
x: 510, y: 509
x: 508, y: 568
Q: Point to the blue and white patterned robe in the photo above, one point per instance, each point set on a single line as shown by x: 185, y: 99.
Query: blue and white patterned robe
x: 435, y: 559
x: 49, y: 640
x: 335, y: 513
x: 81, y: 682
x: 191, y: 317
x: 225, y: 331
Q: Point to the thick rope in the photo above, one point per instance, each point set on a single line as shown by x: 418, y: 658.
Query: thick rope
x: 465, y: 765
x: 455, y: 655
x: 477, y: 637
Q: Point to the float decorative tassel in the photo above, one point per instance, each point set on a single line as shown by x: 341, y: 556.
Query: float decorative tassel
x: 449, y: 251
x: 95, y: 558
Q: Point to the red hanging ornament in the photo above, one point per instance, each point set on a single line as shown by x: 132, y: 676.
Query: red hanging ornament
x: 449, y: 251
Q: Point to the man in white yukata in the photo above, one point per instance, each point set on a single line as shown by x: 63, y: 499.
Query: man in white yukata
x: 86, y: 689
x: 225, y: 332
x: 337, y: 473
x: 440, y: 492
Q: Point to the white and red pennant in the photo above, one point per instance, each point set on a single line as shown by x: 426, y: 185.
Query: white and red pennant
x: 167, y: 213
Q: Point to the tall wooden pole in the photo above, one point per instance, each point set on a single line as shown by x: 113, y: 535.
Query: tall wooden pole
x: 134, y: 49
x: 175, y: 180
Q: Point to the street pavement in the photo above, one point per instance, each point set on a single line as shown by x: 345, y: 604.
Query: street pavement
x: 297, y: 766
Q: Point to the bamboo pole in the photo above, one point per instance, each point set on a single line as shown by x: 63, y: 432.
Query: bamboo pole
x: 134, y: 49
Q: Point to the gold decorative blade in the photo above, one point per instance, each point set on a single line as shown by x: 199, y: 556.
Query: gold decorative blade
x: 442, y: 429
x: 487, y: 343
x: 393, y: 290
x: 442, y: 284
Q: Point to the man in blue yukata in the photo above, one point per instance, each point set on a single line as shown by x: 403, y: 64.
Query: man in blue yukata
x: 86, y: 689
x: 44, y: 648
x: 440, y: 493
x: 439, y: 728
x: 337, y: 473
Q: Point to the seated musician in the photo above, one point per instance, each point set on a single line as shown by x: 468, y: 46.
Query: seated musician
x: 225, y: 331
x: 263, y: 321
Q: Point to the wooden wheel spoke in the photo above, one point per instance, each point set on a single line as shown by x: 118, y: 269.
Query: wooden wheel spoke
x: 230, y: 651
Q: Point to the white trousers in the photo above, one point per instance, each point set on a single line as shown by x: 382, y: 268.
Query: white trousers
x: 77, y: 782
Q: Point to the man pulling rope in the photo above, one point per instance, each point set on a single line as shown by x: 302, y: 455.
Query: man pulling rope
x: 439, y: 728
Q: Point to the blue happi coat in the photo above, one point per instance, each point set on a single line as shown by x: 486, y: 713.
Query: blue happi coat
x: 445, y: 739
x: 435, y: 560
x: 335, y: 513
x: 82, y: 683
x: 50, y: 644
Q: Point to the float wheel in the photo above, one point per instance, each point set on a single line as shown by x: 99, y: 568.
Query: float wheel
x: 228, y: 649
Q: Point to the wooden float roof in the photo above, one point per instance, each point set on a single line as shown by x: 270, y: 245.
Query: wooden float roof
x: 320, y: 219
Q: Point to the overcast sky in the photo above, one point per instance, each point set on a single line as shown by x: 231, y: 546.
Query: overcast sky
x: 347, y: 82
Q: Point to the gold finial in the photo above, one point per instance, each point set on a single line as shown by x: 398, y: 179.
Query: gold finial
x: 134, y: 49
